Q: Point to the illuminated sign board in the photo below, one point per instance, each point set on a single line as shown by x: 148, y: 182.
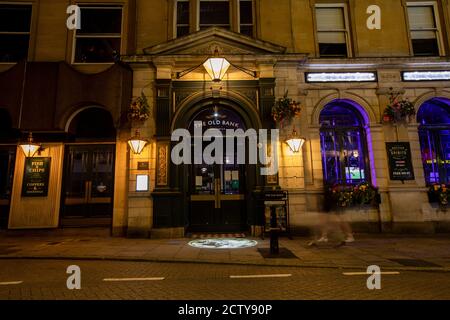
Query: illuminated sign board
x: 341, y: 77
x: 425, y: 75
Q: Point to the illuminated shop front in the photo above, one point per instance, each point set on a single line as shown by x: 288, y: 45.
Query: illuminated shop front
x: 224, y: 64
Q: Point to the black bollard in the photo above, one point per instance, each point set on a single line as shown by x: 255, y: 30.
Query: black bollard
x: 274, y: 247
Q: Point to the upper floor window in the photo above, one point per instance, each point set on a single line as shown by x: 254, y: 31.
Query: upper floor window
x: 99, y: 39
x: 343, y: 144
x: 332, y: 30
x: 424, y: 28
x: 15, y: 27
x: 214, y: 13
x: 182, y: 18
x: 246, y: 17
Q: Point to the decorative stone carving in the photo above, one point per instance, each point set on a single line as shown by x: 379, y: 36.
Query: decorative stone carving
x: 161, y: 175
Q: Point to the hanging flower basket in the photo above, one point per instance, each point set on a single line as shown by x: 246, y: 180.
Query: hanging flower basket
x: 398, y: 109
x: 139, y: 109
x: 285, y: 109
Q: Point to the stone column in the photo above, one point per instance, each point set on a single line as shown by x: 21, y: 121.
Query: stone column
x: 140, y: 203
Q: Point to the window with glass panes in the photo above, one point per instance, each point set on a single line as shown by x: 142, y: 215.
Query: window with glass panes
x: 343, y: 145
x: 182, y: 18
x: 246, y: 17
x: 15, y: 27
x: 332, y: 30
x: 214, y: 13
x: 99, y: 39
x: 434, y: 134
x: 424, y: 29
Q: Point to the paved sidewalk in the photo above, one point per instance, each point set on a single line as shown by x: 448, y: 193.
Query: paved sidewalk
x: 427, y: 253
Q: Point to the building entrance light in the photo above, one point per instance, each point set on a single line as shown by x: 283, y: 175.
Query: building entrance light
x: 216, y: 66
x: 30, y: 148
x: 136, y: 143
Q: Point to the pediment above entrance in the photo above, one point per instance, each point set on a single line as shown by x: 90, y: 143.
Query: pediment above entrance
x: 206, y: 41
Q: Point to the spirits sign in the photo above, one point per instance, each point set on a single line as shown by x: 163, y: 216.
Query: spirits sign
x: 36, y: 177
x: 400, y: 164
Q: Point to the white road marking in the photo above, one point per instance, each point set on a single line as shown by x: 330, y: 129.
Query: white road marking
x: 261, y: 276
x: 134, y: 279
x: 8, y: 283
x: 365, y: 273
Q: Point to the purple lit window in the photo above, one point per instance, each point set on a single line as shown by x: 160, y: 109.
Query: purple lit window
x: 343, y: 144
x: 434, y: 134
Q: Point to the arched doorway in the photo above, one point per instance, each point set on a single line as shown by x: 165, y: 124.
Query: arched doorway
x: 8, y: 140
x: 217, y: 191
x: 88, y: 189
x: 434, y: 133
x: 343, y: 138
x: 218, y: 194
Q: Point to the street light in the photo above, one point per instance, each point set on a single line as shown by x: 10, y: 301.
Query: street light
x: 136, y: 143
x: 295, y: 142
x: 216, y: 66
x: 30, y: 147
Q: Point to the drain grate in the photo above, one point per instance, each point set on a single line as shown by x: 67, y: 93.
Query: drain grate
x: 415, y: 263
x: 284, y: 254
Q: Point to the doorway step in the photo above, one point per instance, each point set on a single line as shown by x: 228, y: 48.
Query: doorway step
x: 197, y: 235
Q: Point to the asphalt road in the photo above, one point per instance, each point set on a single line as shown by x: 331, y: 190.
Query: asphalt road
x: 46, y: 279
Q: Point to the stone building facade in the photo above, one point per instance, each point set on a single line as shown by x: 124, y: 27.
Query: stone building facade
x: 323, y: 54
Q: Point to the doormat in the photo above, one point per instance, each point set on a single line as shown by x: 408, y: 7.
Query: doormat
x: 284, y: 254
x: 415, y: 263
x: 216, y: 235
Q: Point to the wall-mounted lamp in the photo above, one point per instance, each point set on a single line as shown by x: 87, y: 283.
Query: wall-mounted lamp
x: 216, y: 67
x: 30, y: 148
x: 295, y: 142
x: 136, y: 143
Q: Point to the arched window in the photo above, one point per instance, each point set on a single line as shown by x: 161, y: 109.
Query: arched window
x: 343, y: 144
x: 434, y: 133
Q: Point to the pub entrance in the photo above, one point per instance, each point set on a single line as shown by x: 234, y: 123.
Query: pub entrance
x: 88, y: 185
x: 217, y: 192
x: 88, y: 179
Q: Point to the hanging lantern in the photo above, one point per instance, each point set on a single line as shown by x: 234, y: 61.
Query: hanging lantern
x: 136, y: 143
x: 216, y: 67
x: 295, y: 142
x: 30, y: 148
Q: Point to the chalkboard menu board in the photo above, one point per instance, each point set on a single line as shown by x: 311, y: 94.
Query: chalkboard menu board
x: 36, y: 177
x: 400, y: 164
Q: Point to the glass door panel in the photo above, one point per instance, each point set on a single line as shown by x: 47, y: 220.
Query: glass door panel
x: 89, y: 181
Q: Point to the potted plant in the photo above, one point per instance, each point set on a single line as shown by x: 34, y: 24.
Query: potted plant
x: 341, y: 196
x: 439, y: 193
x: 399, y: 109
x: 365, y: 194
x: 285, y: 109
x: 139, y: 109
